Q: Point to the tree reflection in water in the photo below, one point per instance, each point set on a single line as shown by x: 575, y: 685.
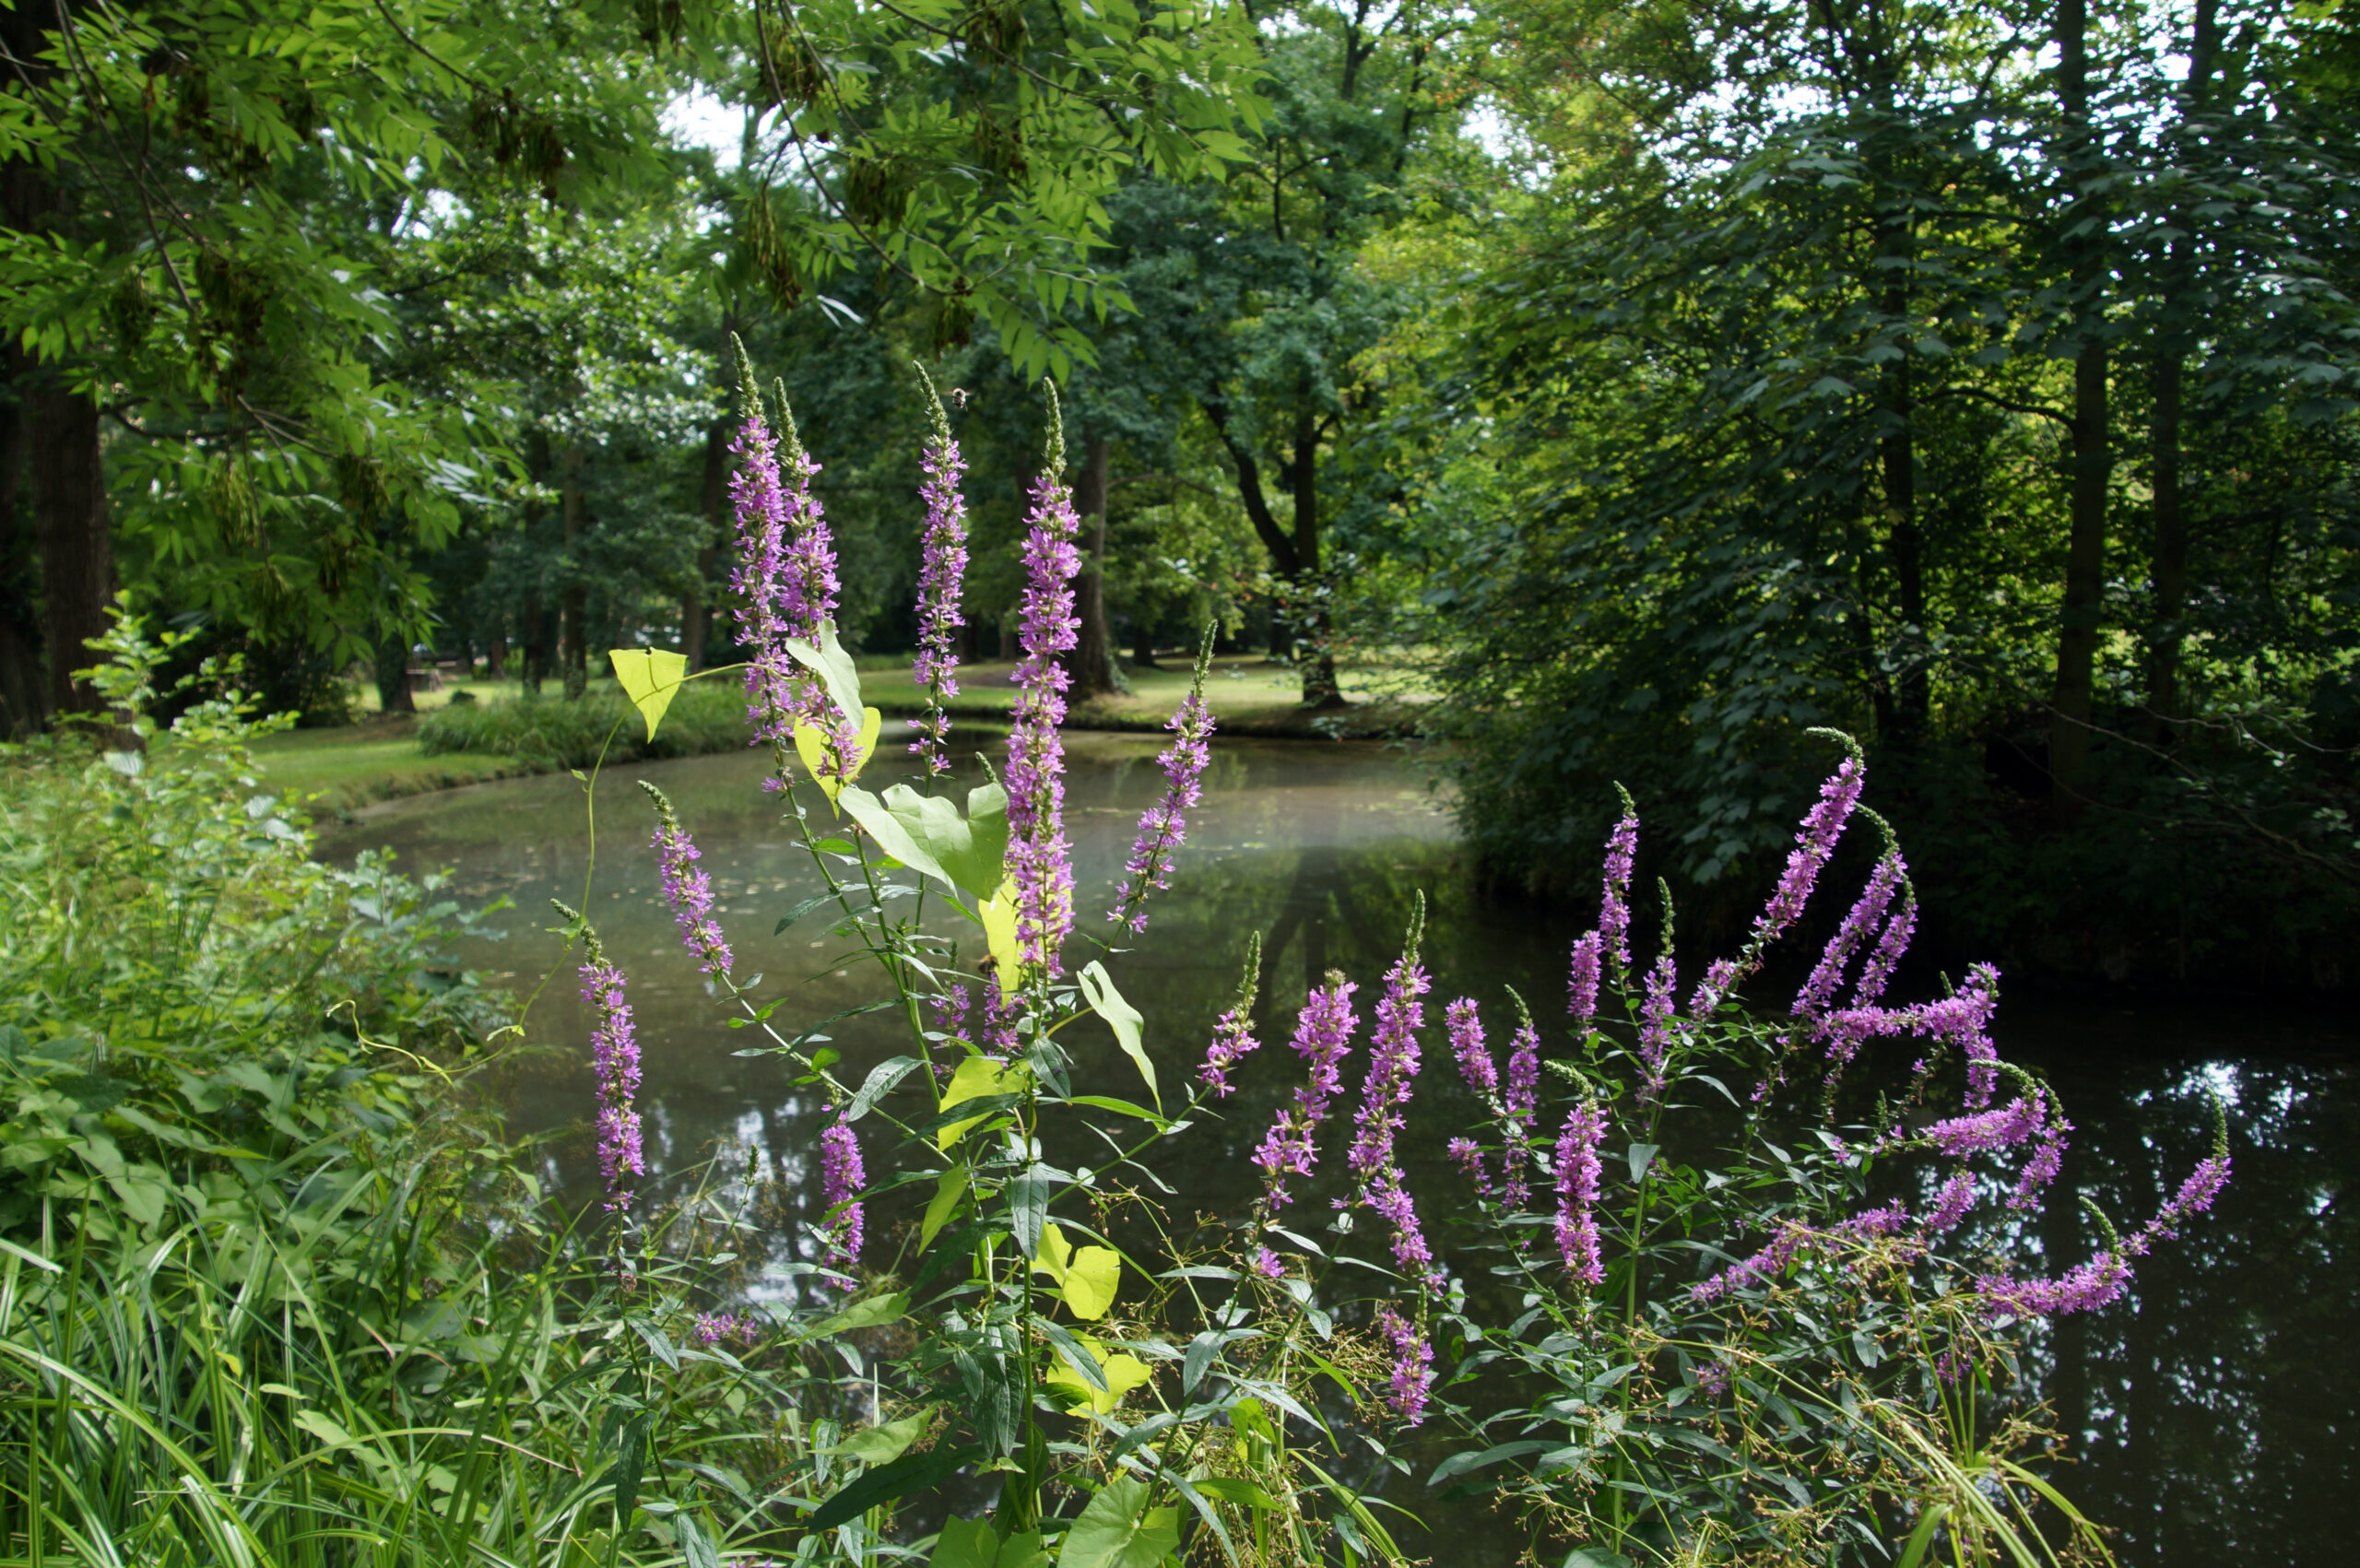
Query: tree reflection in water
x: 2216, y: 1410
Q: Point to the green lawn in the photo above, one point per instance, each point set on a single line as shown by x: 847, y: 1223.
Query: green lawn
x: 379, y: 758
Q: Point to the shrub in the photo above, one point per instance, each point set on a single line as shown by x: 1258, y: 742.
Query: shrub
x: 550, y: 733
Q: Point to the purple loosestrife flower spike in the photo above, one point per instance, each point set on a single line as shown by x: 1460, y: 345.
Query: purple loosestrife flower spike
x: 1323, y: 1035
x: 1234, y: 1032
x: 1468, y: 1155
x: 1414, y: 1367
x: 1465, y: 1027
x: 1814, y: 842
x: 1614, y: 899
x: 1581, y: 982
x: 1164, y: 825
x: 840, y: 1179
x: 1577, y: 1173
x: 1890, y: 875
x: 1038, y: 854
x: 942, y: 572
x: 689, y: 891
x: 614, y: 1055
x: 1521, y: 1105
x: 1392, y: 1068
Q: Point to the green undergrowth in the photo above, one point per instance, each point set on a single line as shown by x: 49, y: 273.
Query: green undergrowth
x: 276, y: 1288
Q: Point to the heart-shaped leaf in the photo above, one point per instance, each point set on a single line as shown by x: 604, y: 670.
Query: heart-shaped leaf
x: 649, y: 676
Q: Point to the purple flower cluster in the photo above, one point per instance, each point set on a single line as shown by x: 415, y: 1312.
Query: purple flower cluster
x: 716, y: 1327
x: 1413, y: 1369
x: 1713, y: 1379
x: 1614, y: 899
x: 1232, y: 1038
x: 687, y: 889
x: 1822, y: 825
x: 942, y: 572
x: 1468, y: 1155
x: 1578, y: 1170
x: 1657, y: 1024
x: 614, y: 1050
x: 1581, y: 981
x: 1819, y: 992
x: 1393, y: 1065
x: 784, y: 581
x: 1323, y: 1034
x: 1164, y: 825
x: 840, y: 1179
x: 1465, y: 1027
x: 1518, y: 1109
x: 1038, y: 858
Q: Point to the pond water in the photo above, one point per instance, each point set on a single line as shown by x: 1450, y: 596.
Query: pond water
x: 2215, y: 1411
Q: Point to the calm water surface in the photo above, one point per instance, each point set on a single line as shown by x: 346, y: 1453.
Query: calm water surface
x: 2217, y: 1409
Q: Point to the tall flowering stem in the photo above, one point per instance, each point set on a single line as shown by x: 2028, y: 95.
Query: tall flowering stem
x: 1413, y: 1366
x: 1039, y: 859
x: 942, y: 572
x: 840, y: 1179
x: 1520, y: 1104
x: 1165, y: 824
x: 1578, y: 1168
x: 1814, y: 842
x: 1234, y: 1030
x: 1392, y: 1070
x: 785, y: 582
x: 1323, y: 1036
x: 614, y: 1057
x: 1614, y: 895
x: 687, y: 889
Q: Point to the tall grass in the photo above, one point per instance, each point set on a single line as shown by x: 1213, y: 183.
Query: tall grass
x: 707, y: 716
x: 274, y: 1290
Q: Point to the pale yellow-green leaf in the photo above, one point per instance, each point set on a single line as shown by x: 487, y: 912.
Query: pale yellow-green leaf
x: 977, y: 1079
x: 999, y: 932
x: 1086, y: 1277
x: 1122, y: 1372
x: 1098, y: 989
x: 833, y: 774
x: 649, y: 676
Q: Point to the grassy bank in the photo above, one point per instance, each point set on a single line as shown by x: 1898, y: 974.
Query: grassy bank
x: 504, y: 733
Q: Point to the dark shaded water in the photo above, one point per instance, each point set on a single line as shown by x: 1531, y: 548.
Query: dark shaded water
x: 2216, y: 1409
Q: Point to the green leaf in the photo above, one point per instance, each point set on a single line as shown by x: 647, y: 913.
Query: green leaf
x: 893, y: 836
x: 1028, y: 1202
x: 1098, y: 989
x: 966, y: 1543
x: 1086, y: 1280
x: 946, y: 1194
x: 649, y: 676
x: 1230, y: 1490
x: 878, y: 1084
x: 883, y: 1445
x: 1119, y: 1530
x: 870, y: 1313
x: 826, y: 659
x: 961, y: 851
x: 913, y: 1472
x: 978, y: 1078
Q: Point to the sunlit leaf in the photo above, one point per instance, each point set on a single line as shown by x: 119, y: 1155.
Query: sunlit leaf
x: 649, y: 676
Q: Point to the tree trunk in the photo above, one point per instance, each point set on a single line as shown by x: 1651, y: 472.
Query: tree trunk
x: 77, y: 556
x: 2166, y: 635
x: 392, y: 676
x: 2077, y: 639
x: 495, y: 651
x: 537, y: 661
x: 1315, y: 623
x: 573, y: 613
x: 1093, y: 653
x: 23, y: 707
x: 1143, y: 644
